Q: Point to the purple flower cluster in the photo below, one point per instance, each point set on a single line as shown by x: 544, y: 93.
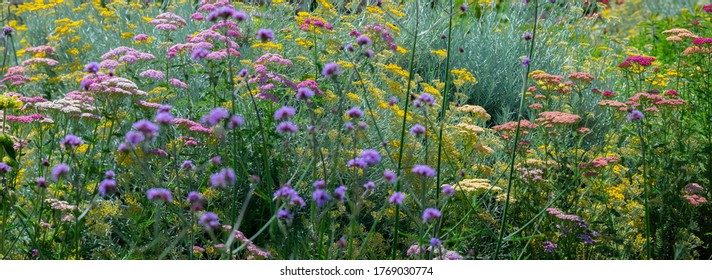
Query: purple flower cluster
x: 265, y: 35
x: 424, y: 170
x: 70, y: 142
x: 215, y: 116
x: 340, y: 193
x: 287, y: 192
x: 159, y: 194
x: 396, y: 198
x: 370, y: 157
x: 431, y: 214
x: 196, y: 201
x: 321, y: 197
x: 223, y: 179
x: 5, y: 168
x: 59, y: 171
x: 390, y: 176
x: 331, y: 70
x: 108, y: 185
x: 209, y: 220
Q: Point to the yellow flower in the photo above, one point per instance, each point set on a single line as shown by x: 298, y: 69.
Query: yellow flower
x: 439, y: 53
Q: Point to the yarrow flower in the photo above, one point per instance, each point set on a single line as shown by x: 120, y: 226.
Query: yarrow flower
x: 430, y: 214
x: 396, y: 198
x: 159, y: 194
x: 223, y: 179
x: 424, y: 170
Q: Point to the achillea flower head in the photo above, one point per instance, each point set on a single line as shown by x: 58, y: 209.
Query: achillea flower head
x: 431, y: 214
x: 396, y: 198
x: 91, y: 67
x: 331, y: 70
x: 635, y: 115
x: 153, y: 74
x: 70, y: 142
x: 209, y: 220
x: 424, y: 170
x: 58, y: 171
x: 693, y: 188
x: 223, y: 179
x: 159, y: 194
x: 284, y: 112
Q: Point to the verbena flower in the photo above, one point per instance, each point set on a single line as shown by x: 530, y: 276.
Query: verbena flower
x: 431, y: 214
x: 390, y: 176
x: 287, y: 128
x: 70, y: 142
x: 265, y: 35
x: 58, y: 171
x: 41, y: 182
x: 370, y: 186
x: 448, y: 190
x: 635, y: 115
x: 284, y: 112
x: 319, y: 184
x: 159, y: 194
x: 354, y: 112
x: 321, y: 197
x: 134, y: 138
x: 92, y: 67
x: 396, y: 198
x: 304, y: 93
x: 371, y: 157
x: 424, y: 170
x: 363, y: 40
x: 107, y: 186
x: 209, y: 220
x: 340, y: 193
x: 417, y: 130
x: 223, y: 179
x: 149, y: 129
x: 236, y: 121
x: 435, y: 242
x: 215, y: 116
x: 331, y: 70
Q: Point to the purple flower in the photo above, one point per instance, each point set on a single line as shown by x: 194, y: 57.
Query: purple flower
x: 369, y: 186
x: 243, y: 73
x: 70, y: 142
x: 91, y: 67
x: 357, y: 162
x: 349, y: 126
x: 5, y: 168
x: 586, y: 239
x: 188, y: 164
x: 362, y: 125
x: 396, y: 198
x: 285, y: 191
x: 223, y: 179
x: 320, y: 197
x: 8, y: 31
x: 549, y: 247
x: 196, y: 201
x: 427, y: 98
x: 284, y: 215
x: 215, y: 116
x: 341, y: 243
x: 371, y: 157
x: 390, y: 176
x: 222, y: 12
x: 417, y: 130
x: 265, y: 35
x: 123, y: 147
x: 430, y: 214
x: 435, y: 242
x: 527, y: 36
x: 423, y: 170
x: 239, y: 16
x: 368, y: 53
x: 235, y: 122
x: 340, y: 193
x: 297, y: 200
x: 363, y: 40
x: 199, y: 53
x: 284, y: 112
x: 319, y: 184
x: 209, y: 220
x: 149, y: 129
x: 58, y: 171
x: 304, y: 93
x: 159, y: 194
x: 287, y: 128
x: 635, y: 115
x: 134, y: 138
x: 448, y: 190
x: 350, y: 48
x: 354, y: 112
x: 107, y: 186
x: 463, y: 7
x: 164, y: 118
x: 526, y: 61
x: 216, y: 160
x: 331, y: 70
x: 41, y: 182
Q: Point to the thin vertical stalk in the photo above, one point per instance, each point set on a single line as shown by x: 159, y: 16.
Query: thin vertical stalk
x: 443, y: 110
x: 646, y: 195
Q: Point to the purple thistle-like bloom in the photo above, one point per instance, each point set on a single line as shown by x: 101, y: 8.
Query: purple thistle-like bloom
x: 363, y: 40
x: 371, y: 157
x: 239, y: 16
x: 549, y: 247
x: 304, y: 93
x: 91, y: 67
x: 123, y: 147
x: 331, y: 70
x: 368, y: 53
x: 215, y: 116
x: 424, y: 170
x: 635, y: 115
x: 526, y: 61
x: 357, y: 162
x: 109, y: 174
x: 149, y: 129
x: 285, y: 191
x: 222, y: 12
x: 265, y: 35
x: 527, y: 36
x: 417, y: 130
x: 396, y: 198
x: 107, y: 186
x: 59, y: 171
x: 164, y: 118
x: 196, y: 201
x: 199, y: 53
x: 430, y: 214
x: 8, y: 31
x: 390, y: 176
x: 236, y: 121
x: 284, y: 215
x: 435, y: 242
x: 320, y: 197
x: 159, y: 194
x: 216, y: 160
x: 287, y: 128
x: 187, y: 165
x: 319, y: 184
x: 297, y: 200
x: 134, y: 138
x: 340, y: 193
x: 243, y: 73
x: 463, y: 7
x: 41, y: 182
x: 284, y: 112
x: 586, y: 239
x: 448, y: 190
x: 209, y: 220
x: 354, y: 112
x: 70, y: 142
x: 362, y: 125
x: 427, y: 98
x: 349, y: 126
x: 350, y: 48
x: 370, y: 186
x: 223, y: 179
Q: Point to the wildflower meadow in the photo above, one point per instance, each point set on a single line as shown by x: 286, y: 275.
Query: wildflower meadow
x: 356, y: 129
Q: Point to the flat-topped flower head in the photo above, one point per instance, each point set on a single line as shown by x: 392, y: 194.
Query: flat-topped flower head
x: 423, y: 170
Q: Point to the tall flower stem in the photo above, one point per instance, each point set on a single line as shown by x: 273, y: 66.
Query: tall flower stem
x: 525, y: 79
x: 646, y: 194
x: 444, y: 108
x: 402, y: 134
